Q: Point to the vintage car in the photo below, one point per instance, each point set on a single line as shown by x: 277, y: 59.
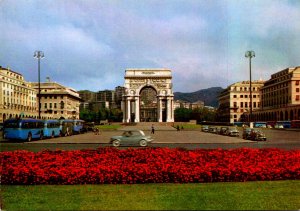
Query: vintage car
x: 223, y: 130
x: 213, y: 129
x: 131, y: 137
x: 204, y: 128
x: 246, y: 133
x: 257, y: 135
x: 232, y: 131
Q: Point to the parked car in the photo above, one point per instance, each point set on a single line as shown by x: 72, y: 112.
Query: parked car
x: 232, y: 131
x: 257, y: 135
x: 205, y: 128
x: 223, y: 130
x: 278, y: 125
x: 246, y: 133
x: 212, y: 129
x: 131, y: 137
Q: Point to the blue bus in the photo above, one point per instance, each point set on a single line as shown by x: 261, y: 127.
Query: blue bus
x: 260, y: 124
x: 66, y: 127
x: 23, y: 129
x: 284, y: 124
x: 78, y: 126
x: 51, y: 128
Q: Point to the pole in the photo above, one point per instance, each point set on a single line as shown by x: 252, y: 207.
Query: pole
x: 39, y: 64
x: 250, y: 117
x: 250, y: 54
x: 39, y: 55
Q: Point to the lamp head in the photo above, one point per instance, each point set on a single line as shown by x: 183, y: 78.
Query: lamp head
x: 250, y: 54
x: 38, y: 54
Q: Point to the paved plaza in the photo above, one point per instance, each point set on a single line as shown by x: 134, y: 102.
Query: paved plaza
x: 163, y: 137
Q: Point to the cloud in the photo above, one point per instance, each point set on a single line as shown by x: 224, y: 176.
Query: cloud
x: 88, y: 44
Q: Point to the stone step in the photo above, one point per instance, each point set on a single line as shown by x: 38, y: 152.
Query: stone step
x: 146, y: 126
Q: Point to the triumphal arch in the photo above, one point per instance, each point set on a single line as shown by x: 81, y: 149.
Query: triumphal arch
x: 148, y: 96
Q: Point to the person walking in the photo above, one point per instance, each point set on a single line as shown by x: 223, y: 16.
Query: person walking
x: 152, y: 129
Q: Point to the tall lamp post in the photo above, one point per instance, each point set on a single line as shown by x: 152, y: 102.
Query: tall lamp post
x: 250, y: 54
x: 39, y: 55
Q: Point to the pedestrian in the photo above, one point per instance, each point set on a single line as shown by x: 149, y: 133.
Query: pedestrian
x: 152, y: 129
x: 97, y: 131
x: 177, y: 128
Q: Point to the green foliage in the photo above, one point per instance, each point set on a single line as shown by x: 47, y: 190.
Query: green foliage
x: 199, y: 114
x: 268, y: 195
x: 112, y: 115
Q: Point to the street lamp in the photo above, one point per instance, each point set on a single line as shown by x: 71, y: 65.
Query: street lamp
x: 250, y: 54
x: 39, y: 55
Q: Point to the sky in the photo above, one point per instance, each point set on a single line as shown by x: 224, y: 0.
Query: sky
x: 88, y: 44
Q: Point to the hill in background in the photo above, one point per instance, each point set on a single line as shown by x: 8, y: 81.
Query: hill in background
x: 208, y: 96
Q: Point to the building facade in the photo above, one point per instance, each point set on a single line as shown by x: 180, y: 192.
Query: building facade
x: 188, y: 105
x: 58, y: 101
x: 17, y: 97
x: 234, y: 101
x: 148, y: 96
x: 280, y: 98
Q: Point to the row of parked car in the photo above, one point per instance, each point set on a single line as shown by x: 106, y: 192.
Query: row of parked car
x: 223, y: 130
x: 248, y: 133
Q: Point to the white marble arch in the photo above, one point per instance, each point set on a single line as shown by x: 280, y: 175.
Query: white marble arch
x: 135, y: 81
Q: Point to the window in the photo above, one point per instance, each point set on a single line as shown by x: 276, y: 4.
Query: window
x: 297, y: 89
x: 50, y: 105
x: 242, y: 104
x: 297, y: 82
x: 45, y: 105
x: 234, y: 96
x: 246, y: 96
x: 241, y: 96
x: 246, y: 105
x: 297, y: 98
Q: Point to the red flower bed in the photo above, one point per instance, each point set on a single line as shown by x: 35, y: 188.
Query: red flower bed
x: 148, y: 165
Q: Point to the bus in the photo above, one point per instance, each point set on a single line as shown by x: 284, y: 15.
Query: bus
x: 66, y: 127
x: 51, y: 128
x: 260, y: 124
x: 283, y: 124
x: 23, y: 129
x: 295, y: 124
x: 78, y: 126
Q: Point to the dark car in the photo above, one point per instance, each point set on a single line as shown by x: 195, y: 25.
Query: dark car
x: 223, y: 130
x: 246, y: 133
x: 131, y: 137
x: 257, y: 135
x: 213, y: 129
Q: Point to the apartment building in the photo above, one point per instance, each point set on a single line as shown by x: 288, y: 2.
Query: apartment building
x: 188, y: 105
x: 94, y: 101
x: 58, y: 101
x: 17, y: 97
x: 234, y: 101
x: 280, y: 98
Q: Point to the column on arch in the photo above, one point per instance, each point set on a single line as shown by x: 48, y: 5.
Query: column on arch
x: 123, y: 108
x: 128, y: 110
x: 137, y: 109
x: 169, y: 110
x: 159, y: 109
